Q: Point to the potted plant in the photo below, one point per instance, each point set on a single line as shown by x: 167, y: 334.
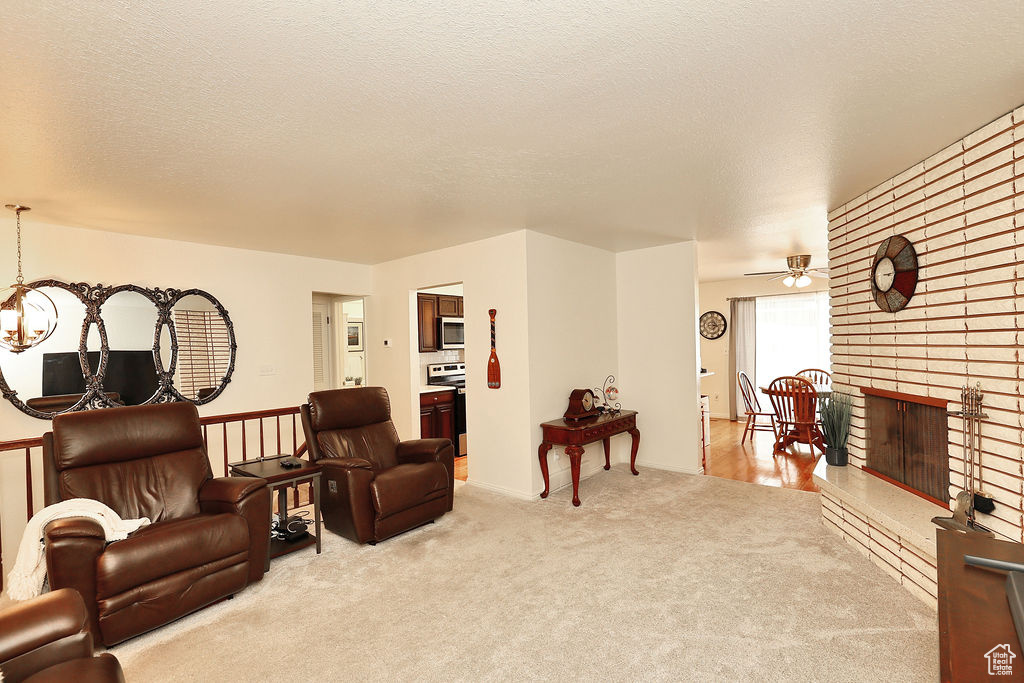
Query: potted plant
x: 835, y: 426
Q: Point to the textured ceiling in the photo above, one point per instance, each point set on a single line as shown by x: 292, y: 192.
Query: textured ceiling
x: 365, y: 131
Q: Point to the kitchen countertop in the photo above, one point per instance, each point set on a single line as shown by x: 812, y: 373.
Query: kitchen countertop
x: 431, y: 388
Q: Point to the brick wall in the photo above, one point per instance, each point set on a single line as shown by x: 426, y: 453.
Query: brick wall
x: 963, y: 208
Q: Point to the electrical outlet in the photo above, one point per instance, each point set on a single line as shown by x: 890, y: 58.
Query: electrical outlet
x: 267, y: 370
x: 332, y: 486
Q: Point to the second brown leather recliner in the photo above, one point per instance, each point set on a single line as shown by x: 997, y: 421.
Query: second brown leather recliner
x: 375, y: 486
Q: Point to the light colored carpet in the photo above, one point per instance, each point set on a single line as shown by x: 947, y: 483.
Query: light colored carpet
x: 658, y: 577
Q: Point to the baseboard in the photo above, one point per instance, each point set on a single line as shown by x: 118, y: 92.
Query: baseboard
x: 670, y: 468
x: 494, y: 488
x: 719, y: 416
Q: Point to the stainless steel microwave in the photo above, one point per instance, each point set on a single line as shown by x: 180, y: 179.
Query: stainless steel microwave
x: 451, y: 333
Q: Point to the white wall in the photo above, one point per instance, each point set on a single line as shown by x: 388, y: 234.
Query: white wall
x: 573, y: 344
x: 493, y: 275
x: 714, y: 354
x: 568, y: 314
x: 657, y: 333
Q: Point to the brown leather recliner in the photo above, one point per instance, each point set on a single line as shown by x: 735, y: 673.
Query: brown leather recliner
x: 208, y: 538
x: 375, y: 485
x: 47, y: 640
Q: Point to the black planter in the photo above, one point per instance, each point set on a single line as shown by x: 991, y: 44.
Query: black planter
x: 835, y: 456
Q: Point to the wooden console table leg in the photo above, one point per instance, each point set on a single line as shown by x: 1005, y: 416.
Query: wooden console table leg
x: 542, y: 454
x: 635, y: 433
x: 607, y: 452
x: 575, y: 454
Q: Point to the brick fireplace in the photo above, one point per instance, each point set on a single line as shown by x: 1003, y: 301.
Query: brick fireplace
x: 963, y: 210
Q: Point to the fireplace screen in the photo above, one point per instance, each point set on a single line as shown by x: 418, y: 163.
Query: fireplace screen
x: 909, y: 443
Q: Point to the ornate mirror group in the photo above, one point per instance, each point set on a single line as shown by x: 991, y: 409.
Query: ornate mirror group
x: 122, y: 345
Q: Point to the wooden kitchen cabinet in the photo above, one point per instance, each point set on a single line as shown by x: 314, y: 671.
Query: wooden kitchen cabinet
x: 448, y: 306
x: 437, y: 415
x: 429, y: 308
x: 426, y: 307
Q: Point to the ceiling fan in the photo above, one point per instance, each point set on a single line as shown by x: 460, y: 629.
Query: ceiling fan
x: 798, y: 271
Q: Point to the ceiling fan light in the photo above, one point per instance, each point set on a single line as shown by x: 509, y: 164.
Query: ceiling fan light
x: 789, y: 281
x: 803, y: 281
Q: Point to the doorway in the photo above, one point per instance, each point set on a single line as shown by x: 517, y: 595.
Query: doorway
x: 440, y: 342
x: 339, y: 350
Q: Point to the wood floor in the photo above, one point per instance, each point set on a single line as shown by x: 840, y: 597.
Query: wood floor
x: 729, y: 459
x: 461, y: 470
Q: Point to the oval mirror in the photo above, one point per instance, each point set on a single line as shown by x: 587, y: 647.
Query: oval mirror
x: 94, y: 350
x: 166, y: 349
x: 48, y: 378
x: 206, y: 354
x: 131, y: 377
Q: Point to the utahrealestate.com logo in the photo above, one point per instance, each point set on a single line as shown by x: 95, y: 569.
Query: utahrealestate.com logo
x: 1000, y: 660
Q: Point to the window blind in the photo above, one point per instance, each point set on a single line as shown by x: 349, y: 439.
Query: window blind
x: 204, y: 351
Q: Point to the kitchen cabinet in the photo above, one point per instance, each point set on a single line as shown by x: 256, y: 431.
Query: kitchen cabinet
x: 448, y: 306
x: 429, y: 308
x: 437, y: 415
x: 426, y: 307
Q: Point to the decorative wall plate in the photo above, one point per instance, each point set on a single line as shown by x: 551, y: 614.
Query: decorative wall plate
x: 712, y: 325
x: 894, y: 273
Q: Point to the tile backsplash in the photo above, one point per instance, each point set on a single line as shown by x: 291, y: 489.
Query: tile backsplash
x: 450, y: 356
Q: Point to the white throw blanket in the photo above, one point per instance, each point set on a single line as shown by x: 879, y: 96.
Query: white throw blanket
x: 26, y: 578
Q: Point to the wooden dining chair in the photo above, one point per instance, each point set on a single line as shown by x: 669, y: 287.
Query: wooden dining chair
x: 819, y: 378
x: 795, y: 401
x: 752, y: 409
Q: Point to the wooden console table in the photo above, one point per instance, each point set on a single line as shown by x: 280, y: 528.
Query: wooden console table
x: 575, y: 435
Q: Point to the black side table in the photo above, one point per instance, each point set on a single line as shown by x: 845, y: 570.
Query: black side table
x: 281, y: 479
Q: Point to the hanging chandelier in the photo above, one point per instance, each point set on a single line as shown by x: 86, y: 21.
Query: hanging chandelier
x: 27, y: 316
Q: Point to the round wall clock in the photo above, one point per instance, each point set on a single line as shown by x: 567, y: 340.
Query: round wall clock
x: 712, y: 325
x: 894, y: 273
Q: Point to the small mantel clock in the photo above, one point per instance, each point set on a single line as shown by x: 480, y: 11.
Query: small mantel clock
x: 581, y: 405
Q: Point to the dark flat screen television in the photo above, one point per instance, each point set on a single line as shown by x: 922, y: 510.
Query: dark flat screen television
x: 132, y: 374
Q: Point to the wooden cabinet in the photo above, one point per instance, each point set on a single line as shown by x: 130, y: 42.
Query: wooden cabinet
x: 448, y: 306
x: 429, y: 308
x: 437, y: 415
x: 426, y: 307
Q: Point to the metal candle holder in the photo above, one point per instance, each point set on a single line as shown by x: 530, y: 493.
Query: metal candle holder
x: 608, y: 388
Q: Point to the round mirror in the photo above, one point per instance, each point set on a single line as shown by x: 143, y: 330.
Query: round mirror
x: 131, y: 377
x: 48, y: 377
x: 205, y: 347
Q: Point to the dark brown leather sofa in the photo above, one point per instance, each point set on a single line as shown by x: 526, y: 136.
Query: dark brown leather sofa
x: 208, y: 538
x: 375, y: 486
x: 47, y: 640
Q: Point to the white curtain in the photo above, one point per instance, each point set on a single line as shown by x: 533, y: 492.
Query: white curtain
x: 742, y: 344
x: 793, y: 331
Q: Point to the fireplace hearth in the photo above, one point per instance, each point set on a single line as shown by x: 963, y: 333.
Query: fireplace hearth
x: 908, y: 442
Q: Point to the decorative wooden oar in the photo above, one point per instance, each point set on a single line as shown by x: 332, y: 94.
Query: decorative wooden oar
x: 493, y: 366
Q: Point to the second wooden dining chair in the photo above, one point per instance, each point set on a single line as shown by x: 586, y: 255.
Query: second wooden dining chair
x: 752, y: 408
x: 819, y: 378
x: 795, y: 401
